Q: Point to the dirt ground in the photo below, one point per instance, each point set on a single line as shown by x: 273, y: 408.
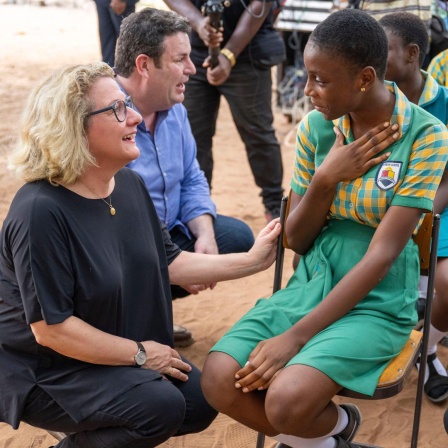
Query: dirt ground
x: 34, y: 40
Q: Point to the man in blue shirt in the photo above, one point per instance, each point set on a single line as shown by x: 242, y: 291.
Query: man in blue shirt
x: 247, y: 47
x: 152, y: 66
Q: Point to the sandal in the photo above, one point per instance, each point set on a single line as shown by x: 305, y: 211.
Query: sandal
x: 436, y: 387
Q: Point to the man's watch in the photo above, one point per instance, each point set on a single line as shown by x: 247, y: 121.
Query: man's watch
x: 140, y: 357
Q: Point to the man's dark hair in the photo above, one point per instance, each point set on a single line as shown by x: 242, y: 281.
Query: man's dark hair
x: 144, y: 32
x: 355, y: 38
x: 410, y: 28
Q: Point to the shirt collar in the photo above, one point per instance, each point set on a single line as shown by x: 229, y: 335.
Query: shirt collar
x: 430, y: 90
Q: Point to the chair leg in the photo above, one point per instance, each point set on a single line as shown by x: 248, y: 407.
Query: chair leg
x: 260, y: 440
x: 426, y: 326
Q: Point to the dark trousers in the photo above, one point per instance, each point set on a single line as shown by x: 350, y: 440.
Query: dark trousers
x: 248, y: 90
x: 109, y: 28
x: 144, y: 417
x: 232, y: 235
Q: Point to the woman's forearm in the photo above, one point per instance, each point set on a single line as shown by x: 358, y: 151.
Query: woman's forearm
x: 191, y: 268
x: 195, y: 268
x: 77, y: 339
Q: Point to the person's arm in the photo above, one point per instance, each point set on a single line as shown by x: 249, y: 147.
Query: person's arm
x: 204, y: 232
x: 77, y: 339
x: 248, y: 26
x: 437, y: 68
x: 118, y: 6
x: 194, y: 268
x: 390, y: 238
x: 414, y: 195
x: 200, y: 24
x: 308, y: 213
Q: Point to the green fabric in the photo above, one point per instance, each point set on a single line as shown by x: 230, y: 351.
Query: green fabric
x: 354, y: 350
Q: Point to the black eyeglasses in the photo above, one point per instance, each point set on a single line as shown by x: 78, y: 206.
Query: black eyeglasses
x: 119, y: 107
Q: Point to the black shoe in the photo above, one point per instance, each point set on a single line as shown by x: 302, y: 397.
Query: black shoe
x: 445, y: 420
x: 182, y: 336
x: 436, y: 387
x: 421, y: 305
x: 354, y: 422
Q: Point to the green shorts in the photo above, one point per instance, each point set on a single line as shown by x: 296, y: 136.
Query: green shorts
x: 354, y: 350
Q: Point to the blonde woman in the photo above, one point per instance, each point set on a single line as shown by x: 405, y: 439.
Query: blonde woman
x: 86, y: 342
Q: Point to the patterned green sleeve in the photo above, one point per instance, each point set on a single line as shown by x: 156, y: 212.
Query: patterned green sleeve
x: 438, y: 66
x: 304, y: 163
x: 426, y: 165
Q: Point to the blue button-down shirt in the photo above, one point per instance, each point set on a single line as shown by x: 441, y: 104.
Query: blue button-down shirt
x: 170, y: 170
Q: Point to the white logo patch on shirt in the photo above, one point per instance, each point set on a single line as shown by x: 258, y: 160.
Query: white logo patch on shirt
x: 388, y: 174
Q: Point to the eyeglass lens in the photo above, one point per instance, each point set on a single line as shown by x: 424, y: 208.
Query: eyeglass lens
x: 120, y: 108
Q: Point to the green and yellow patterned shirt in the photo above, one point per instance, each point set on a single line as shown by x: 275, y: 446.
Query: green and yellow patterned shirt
x: 409, y: 177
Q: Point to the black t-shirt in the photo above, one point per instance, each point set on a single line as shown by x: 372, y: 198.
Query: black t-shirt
x: 266, y: 40
x: 63, y: 255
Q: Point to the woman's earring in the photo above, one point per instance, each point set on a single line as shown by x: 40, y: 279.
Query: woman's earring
x: 363, y: 89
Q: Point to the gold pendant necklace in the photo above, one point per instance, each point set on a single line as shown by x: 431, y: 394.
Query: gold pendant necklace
x: 109, y: 204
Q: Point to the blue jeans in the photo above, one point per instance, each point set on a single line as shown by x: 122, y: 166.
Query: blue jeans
x: 232, y: 235
x: 143, y: 417
x: 248, y: 90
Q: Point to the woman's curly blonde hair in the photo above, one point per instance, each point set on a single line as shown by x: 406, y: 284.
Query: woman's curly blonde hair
x: 53, y: 138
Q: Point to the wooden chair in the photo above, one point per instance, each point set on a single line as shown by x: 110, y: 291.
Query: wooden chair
x: 398, y: 370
